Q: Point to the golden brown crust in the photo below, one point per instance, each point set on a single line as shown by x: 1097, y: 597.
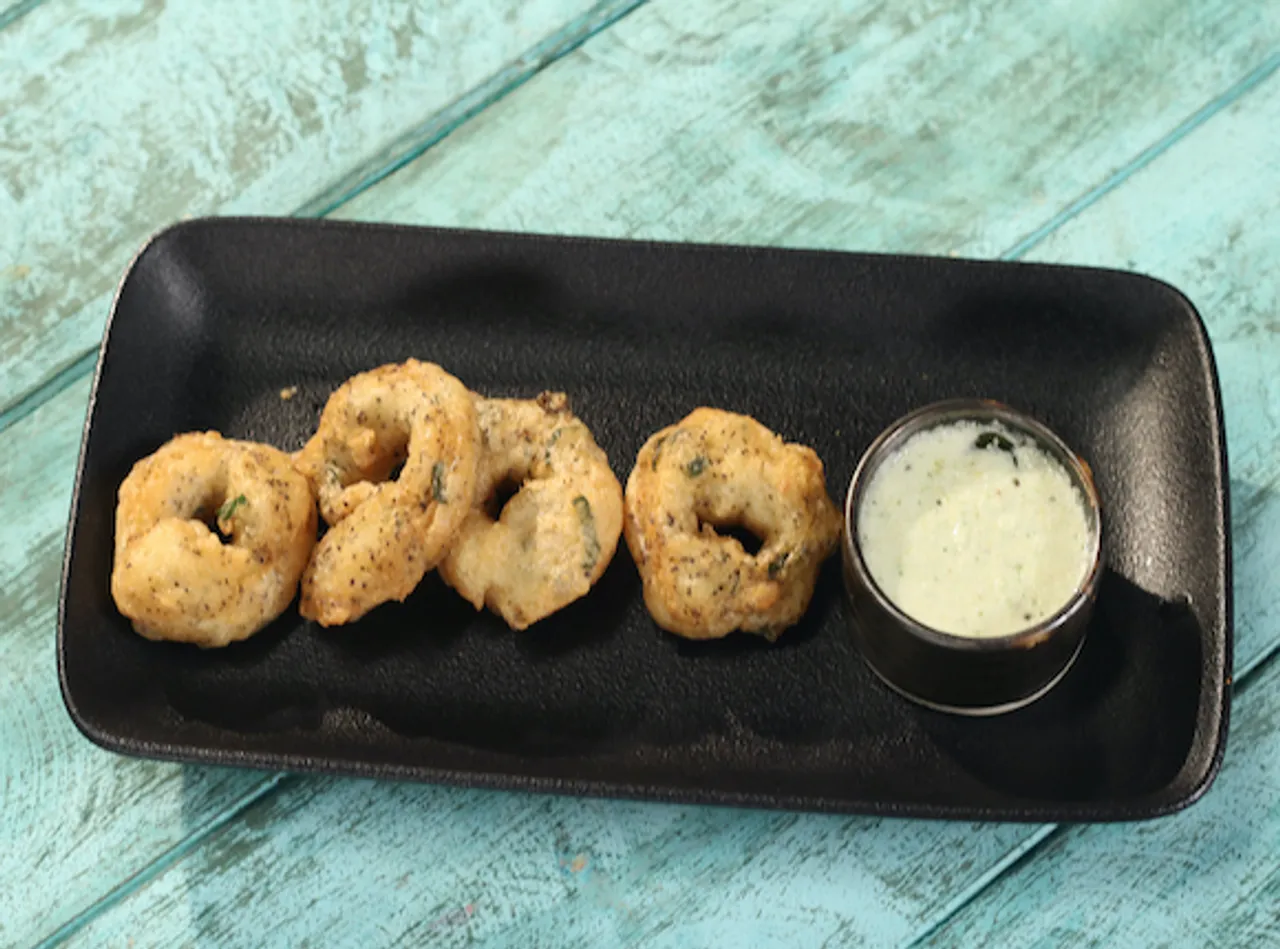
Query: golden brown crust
x: 557, y: 534
x: 173, y: 577
x: 717, y: 468
x: 386, y: 534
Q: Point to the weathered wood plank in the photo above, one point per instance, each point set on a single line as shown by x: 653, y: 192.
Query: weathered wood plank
x: 808, y: 861
x: 538, y: 871
x: 118, y: 117
x: 926, y: 125
x: 569, y: 873
x: 1223, y: 887
x: 74, y: 820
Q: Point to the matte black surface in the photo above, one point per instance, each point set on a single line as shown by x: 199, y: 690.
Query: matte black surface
x: 216, y: 317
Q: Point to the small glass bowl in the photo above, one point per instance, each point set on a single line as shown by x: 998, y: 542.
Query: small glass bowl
x: 967, y: 675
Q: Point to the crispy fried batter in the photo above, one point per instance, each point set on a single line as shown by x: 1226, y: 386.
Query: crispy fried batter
x: 386, y: 533
x: 173, y: 577
x: 557, y: 534
x: 720, y: 469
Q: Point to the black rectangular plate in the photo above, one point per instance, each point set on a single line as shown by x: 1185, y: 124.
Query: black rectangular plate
x: 216, y: 316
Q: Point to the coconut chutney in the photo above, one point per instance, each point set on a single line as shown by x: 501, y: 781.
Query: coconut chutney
x: 971, y: 528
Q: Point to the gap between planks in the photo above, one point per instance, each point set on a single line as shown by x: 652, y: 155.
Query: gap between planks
x: 430, y: 133
x: 161, y: 863
x: 404, y: 149
x: 515, y: 74
x: 1149, y: 154
x: 12, y: 14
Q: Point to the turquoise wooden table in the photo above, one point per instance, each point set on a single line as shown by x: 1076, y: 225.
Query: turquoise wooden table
x: 1133, y: 133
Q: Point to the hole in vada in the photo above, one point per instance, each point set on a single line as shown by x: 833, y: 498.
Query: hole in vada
x: 216, y: 507
x: 211, y: 521
x: 386, y: 458
x: 507, y: 489
x: 394, y: 452
x: 749, y: 541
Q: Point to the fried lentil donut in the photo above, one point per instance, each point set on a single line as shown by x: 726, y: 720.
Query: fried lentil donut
x: 720, y: 469
x: 386, y: 533
x: 173, y: 577
x: 557, y: 534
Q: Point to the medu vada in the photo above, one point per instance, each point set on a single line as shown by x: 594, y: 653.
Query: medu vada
x: 556, y: 535
x: 386, y: 530
x: 718, y: 469
x: 173, y: 576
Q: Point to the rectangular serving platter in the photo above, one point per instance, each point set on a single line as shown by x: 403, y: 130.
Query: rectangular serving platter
x: 216, y: 317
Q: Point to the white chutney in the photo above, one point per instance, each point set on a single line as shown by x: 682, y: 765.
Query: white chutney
x: 971, y: 528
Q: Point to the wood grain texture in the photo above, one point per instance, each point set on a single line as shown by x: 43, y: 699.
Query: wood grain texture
x: 677, y: 141
x: 445, y: 868
x: 926, y: 125
x: 723, y: 157
x: 118, y: 117
x: 74, y: 820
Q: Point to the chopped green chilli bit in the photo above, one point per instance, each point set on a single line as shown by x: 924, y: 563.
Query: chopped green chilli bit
x: 591, y: 542
x: 225, y: 512
x: 437, y: 482
x: 987, y: 439
x: 657, y: 451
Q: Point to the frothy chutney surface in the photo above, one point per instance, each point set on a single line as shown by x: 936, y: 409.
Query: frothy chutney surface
x: 973, y: 529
